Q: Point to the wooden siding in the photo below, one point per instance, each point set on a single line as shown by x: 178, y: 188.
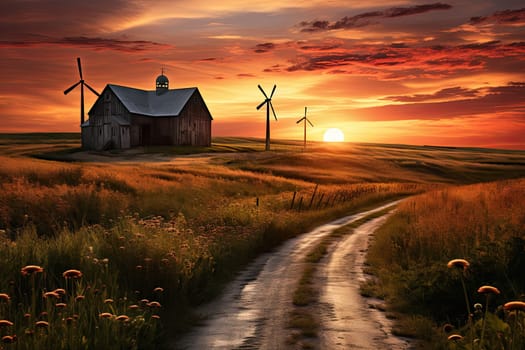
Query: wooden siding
x: 112, y: 126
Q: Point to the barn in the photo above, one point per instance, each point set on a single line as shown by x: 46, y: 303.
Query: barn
x: 124, y: 117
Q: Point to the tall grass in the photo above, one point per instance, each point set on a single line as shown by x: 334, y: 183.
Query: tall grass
x: 134, y: 228
x: 484, y: 224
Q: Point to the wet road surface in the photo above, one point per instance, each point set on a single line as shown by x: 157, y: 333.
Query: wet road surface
x: 253, y: 310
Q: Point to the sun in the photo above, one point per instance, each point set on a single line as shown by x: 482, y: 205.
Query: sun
x: 333, y: 135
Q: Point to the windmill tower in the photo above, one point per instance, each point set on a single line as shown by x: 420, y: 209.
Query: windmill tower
x: 305, y: 121
x: 268, y: 102
x: 82, y: 83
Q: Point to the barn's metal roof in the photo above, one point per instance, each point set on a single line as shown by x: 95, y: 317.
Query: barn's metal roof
x: 148, y: 103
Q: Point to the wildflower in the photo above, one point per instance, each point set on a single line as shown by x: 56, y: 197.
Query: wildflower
x: 4, y: 323
x: 156, y: 317
x: 4, y: 297
x: 488, y: 290
x: 8, y: 339
x: 144, y: 301
x: 122, y: 318
x: 154, y: 304
x: 455, y: 337
x: 105, y: 315
x: 30, y: 269
x: 60, y: 305
x: 447, y: 328
x: 51, y: 294
x: 69, y: 320
x: 133, y: 307
x: 42, y: 324
x: 514, y: 305
x: 79, y: 297
x: 27, y: 315
x: 459, y: 263
x: 158, y: 290
x: 72, y: 274
x: 478, y: 306
x: 138, y: 267
x: 108, y: 301
x: 60, y: 291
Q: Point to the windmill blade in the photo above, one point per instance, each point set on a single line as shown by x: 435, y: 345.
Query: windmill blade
x: 92, y: 90
x: 79, y: 68
x: 300, y: 120
x: 273, y: 111
x: 305, y: 112
x: 273, y: 90
x: 309, y: 122
x: 262, y: 104
x: 264, y: 93
x: 68, y: 90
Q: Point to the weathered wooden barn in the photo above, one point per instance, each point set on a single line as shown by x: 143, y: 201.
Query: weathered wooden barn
x: 124, y: 117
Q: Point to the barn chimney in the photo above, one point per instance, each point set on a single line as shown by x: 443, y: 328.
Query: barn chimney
x: 162, y: 84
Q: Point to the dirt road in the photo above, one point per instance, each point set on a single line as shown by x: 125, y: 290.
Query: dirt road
x: 252, y: 312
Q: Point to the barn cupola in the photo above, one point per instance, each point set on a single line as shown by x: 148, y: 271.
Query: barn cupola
x: 162, y: 84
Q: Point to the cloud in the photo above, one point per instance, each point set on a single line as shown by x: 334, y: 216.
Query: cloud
x: 95, y: 43
x: 496, y: 99
x: 447, y: 93
x: 431, y: 61
x: 367, y: 18
x: 265, y: 47
x: 502, y: 17
x: 245, y: 75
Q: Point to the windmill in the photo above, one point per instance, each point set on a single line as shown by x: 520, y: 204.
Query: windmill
x: 305, y: 120
x: 82, y: 83
x: 268, y: 101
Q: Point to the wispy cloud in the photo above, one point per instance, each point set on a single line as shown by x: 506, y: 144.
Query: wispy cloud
x: 95, y: 43
x: 502, y: 17
x: 367, y: 18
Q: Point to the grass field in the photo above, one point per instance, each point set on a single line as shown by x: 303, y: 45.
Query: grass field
x: 156, y: 230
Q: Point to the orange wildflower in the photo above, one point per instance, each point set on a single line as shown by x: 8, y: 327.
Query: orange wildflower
x: 60, y: 291
x: 105, y: 315
x: 108, y: 301
x: 158, y: 290
x: 122, y: 318
x: 30, y: 269
x: 488, y: 290
x: 514, y: 305
x: 459, y: 263
x: 133, y: 307
x: 42, y: 324
x: 8, y: 339
x: 455, y: 337
x: 51, y: 294
x: 4, y: 297
x: 4, y: 323
x: 61, y: 305
x: 79, y: 297
x: 72, y: 274
x: 154, y: 304
x: 156, y: 317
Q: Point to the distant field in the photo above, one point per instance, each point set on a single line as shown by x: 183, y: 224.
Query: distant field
x: 185, y: 219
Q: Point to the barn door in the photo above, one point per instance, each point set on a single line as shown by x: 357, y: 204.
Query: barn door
x: 145, y: 135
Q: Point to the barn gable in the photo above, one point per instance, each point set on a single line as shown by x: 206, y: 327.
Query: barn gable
x: 124, y: 117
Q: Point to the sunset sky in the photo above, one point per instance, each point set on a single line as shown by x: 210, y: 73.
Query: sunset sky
x: 413, y: 72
